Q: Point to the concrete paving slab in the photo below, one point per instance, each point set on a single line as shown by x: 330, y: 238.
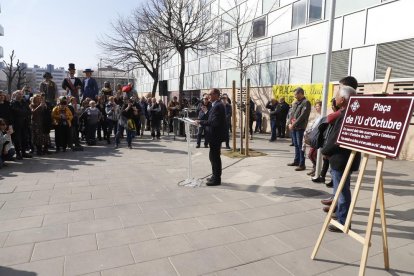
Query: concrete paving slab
x: 37, y: 234
x: 161, y: 267
x: 98, y: 260
x: 205, y: 261
x: 50, y: 267
x: 124, y: 236
x: 160, y: 248
x: 64, y: 247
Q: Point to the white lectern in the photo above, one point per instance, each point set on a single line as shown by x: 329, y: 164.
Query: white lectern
x: 190, y: 181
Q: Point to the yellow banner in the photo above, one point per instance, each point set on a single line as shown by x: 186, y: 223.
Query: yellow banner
x: 313, y: 92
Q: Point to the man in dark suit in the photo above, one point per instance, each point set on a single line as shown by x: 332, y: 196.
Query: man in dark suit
x: 215, y: 134
x: 72, y: 84
x: 89, y: 86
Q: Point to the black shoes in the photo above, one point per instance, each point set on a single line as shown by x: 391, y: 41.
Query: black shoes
x: 293, y: 164
x: 300, y: 168
x: 333, y: 228
x: 198, y: 146
x: 319, y: 179
x: 330, y: 184
x: 26, y: 155
x: 213, y: 182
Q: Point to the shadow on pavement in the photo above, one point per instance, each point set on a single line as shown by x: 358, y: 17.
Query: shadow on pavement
x: 6, y: 271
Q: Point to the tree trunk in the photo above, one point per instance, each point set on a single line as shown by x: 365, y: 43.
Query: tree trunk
x: 182, y: 72
x: 241, y: 111
x: 154, y: 86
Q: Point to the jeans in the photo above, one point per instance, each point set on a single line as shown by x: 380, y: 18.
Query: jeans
x: 119, y: 133
x: 273, y: 129
x: 344, y: 198
x: 297, y: 138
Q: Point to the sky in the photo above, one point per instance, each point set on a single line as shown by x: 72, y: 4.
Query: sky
x: 59, y: 32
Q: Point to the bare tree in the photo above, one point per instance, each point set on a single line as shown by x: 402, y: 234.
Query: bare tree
x: 185, y: 24
x: 127, y: 43
x: 21, y: 77
x: 11, y: 70
x: 240, y: 29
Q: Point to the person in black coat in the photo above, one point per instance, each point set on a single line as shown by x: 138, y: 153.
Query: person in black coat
x: 215, y: 133
x: 5, y: 111
x: 72, y: 84
x: 202, y: 110
x: 338, y: 157
x: 282, y: 110
x: 20, y: 119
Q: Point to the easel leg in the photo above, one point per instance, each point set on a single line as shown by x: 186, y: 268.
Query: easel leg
x: 383, y: 225
x: 356, y: 192
x: 333, y: 205
x: 378, y: 177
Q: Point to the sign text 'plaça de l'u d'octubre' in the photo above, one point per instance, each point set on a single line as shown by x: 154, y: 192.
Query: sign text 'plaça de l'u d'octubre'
x: 376, y: 124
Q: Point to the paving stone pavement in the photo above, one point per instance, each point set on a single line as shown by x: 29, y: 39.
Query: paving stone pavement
x: 107, y: 211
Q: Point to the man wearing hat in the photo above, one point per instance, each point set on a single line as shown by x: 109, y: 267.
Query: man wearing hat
x: 89, y: 86
x: 72, y: 84
x: 49, y: 88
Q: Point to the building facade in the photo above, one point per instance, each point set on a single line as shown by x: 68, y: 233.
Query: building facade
x: 289, y: 43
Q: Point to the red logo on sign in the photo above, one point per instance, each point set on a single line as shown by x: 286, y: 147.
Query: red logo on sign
x: 376, y: 124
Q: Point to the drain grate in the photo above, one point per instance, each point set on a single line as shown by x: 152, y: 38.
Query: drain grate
x: 308, y: 192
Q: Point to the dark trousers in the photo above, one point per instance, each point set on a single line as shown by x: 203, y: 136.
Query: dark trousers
x: 201, y: 131
x: 281, y: 129
x: 215, y: 161
x: 112, y: 126
x: 171, y: 129
x: 325, y: 167
x: 91, y: 133
x: 273, y: 129
x: 20, y: 138
x: 102, y: 125
x: 62, y: 136
x: 155, y: 127
x: 119, y: 134
x: 75, y: 133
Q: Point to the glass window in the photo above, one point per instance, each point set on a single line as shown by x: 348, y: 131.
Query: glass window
x: 225, y: 40
x: 318, y: 68
x: 207, y: 80
x: 270, y: 5
x: 267, y: 74
x: 347, y: 6
x: 284, y: 45
x: 299, y: 14
x: 259, y: 27
x: 315, y: 10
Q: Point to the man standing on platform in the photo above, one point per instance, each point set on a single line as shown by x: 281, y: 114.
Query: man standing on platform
x: 89, y: 86
x: 215, y: 133
x: 72, y: 84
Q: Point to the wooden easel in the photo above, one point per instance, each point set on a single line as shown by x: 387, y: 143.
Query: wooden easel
x: 378, y: 193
